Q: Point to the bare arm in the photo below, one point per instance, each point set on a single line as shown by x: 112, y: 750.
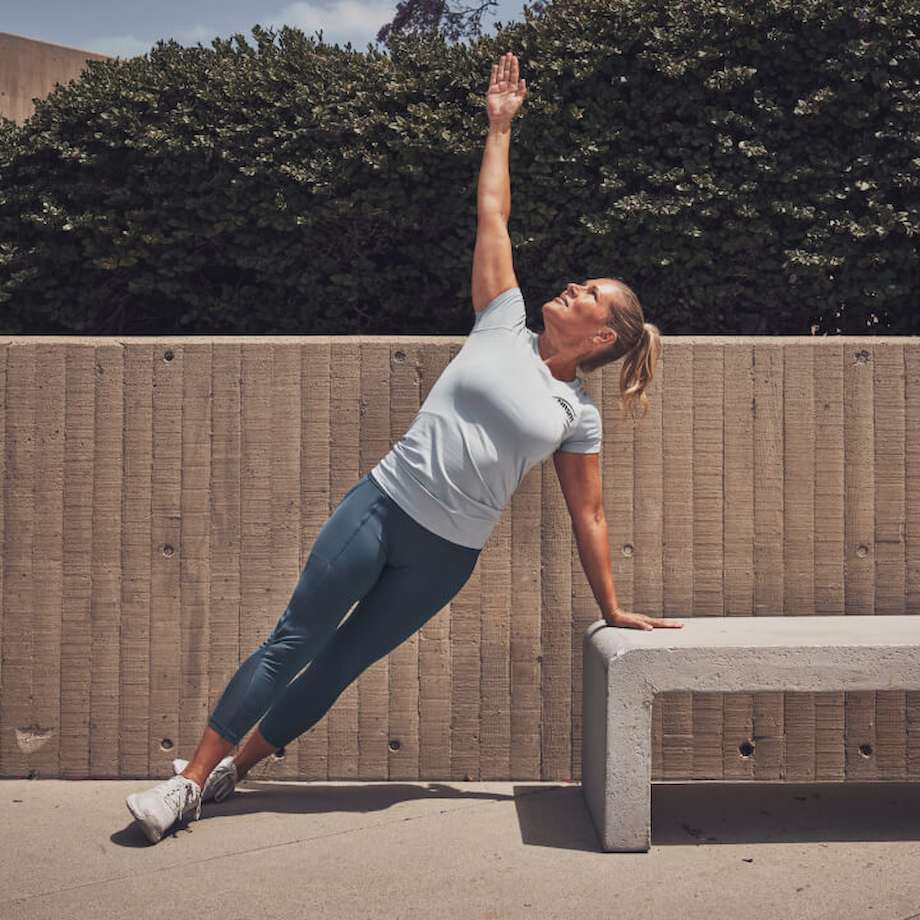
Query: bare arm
x: 504, y: 98
x: 594, y: 552
x: 494, y: 192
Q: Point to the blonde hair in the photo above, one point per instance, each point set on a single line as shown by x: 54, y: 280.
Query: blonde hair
x: 638, y: 341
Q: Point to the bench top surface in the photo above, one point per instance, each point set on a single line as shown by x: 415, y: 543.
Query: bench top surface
x: 880, y: 631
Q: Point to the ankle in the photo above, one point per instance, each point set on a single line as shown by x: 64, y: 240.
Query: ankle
x: 195, y: 778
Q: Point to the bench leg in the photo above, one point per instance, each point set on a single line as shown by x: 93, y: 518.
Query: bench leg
x: 616, y: 754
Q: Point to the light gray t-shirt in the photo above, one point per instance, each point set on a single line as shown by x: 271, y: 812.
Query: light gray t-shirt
x: 495, y: 411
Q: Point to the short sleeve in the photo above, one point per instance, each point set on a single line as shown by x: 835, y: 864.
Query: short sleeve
x: 587, y: 436
x: 506, y: 311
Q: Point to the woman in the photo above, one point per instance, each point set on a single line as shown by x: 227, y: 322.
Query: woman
x: 405, y: 539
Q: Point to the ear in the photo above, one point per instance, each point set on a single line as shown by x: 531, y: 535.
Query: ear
x: 605, y: 337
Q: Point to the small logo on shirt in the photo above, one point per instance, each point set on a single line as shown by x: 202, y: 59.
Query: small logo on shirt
x: 567, y: 408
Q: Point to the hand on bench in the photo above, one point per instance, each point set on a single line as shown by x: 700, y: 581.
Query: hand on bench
x: 621, y: 617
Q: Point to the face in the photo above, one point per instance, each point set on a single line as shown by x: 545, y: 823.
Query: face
x: 580, y: 311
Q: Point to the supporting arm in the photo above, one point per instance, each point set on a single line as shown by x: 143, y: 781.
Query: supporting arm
x: 594, y: 552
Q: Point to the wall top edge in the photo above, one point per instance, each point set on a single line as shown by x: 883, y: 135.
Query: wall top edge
x: 42, y: 41
x: 764, y: 340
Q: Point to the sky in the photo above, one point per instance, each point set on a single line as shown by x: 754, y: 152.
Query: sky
x: 128, y: 27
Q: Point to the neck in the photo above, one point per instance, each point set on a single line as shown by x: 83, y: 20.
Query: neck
x: 560, y: 367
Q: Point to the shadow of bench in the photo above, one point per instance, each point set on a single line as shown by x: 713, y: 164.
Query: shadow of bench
x: 624, y: 668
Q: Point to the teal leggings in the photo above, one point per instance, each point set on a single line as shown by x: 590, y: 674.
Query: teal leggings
x: 369, y: 551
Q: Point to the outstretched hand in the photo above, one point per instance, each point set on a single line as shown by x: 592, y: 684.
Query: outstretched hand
x: 640, y: 621
x: 506, y: 92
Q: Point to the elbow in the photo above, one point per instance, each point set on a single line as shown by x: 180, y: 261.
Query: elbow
x: 590, y: 519
x: 489, y: 207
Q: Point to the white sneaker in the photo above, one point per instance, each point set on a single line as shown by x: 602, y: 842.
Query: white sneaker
x: 157, y: 809
x: 220, y: 783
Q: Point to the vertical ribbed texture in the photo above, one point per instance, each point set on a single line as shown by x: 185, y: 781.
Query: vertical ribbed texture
x: 47, y: 580
x: 309, y: 754
x: 194, y: 553
x: 769, y: 540
x: 738, y: 541
x: 136, y: 658
x: 799, y: 543
x: 387, y: 691
x: 887, y: 366
x: 911, y: 536
x: 19, y: 583
x: 161, y: 499
x: 166, y: 654
x: 224, y: 598
x: 829, y: 539
x: 671, y: 712
x: 860, y: 556
x: 107, y: 492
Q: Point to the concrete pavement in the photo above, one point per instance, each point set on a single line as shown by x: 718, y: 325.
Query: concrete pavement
x: 485, y: 850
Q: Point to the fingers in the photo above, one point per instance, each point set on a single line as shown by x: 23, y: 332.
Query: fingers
x: 506, y: 70
x: 659, y: 623
x: 646, y: 623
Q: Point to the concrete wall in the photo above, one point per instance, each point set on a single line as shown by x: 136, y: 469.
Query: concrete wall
x: 30, y: 69
x: 162, y: 495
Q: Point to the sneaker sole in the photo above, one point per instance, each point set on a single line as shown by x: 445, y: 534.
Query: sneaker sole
x: 142, y: 818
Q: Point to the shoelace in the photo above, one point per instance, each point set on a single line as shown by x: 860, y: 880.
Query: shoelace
x: 180, y: 794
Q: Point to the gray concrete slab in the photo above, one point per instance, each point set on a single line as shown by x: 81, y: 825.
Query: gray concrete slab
x: 489, y: 850
x: 625, y: 668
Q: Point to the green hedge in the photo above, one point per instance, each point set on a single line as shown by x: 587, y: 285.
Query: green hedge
x: 745, y: 167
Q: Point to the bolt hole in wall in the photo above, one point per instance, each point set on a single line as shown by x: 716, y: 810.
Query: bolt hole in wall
x: 746, y: 748
x: 167, y: 745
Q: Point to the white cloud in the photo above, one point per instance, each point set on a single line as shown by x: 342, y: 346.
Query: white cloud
x: 126, y: 46
x: 345, y: 21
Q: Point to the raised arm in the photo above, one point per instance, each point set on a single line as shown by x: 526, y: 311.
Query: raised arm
x: 493, y: 268
x: 505, y: 96
x: 494, y: 195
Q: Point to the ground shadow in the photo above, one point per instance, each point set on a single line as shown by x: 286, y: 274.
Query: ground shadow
x: 282, y: 797
x: 705, y: 812
x: 550, y: 815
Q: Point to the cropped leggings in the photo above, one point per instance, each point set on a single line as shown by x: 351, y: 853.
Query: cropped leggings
x: 369, y: 551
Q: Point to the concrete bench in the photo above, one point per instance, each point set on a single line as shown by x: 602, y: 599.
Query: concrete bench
x: 624, y: 668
